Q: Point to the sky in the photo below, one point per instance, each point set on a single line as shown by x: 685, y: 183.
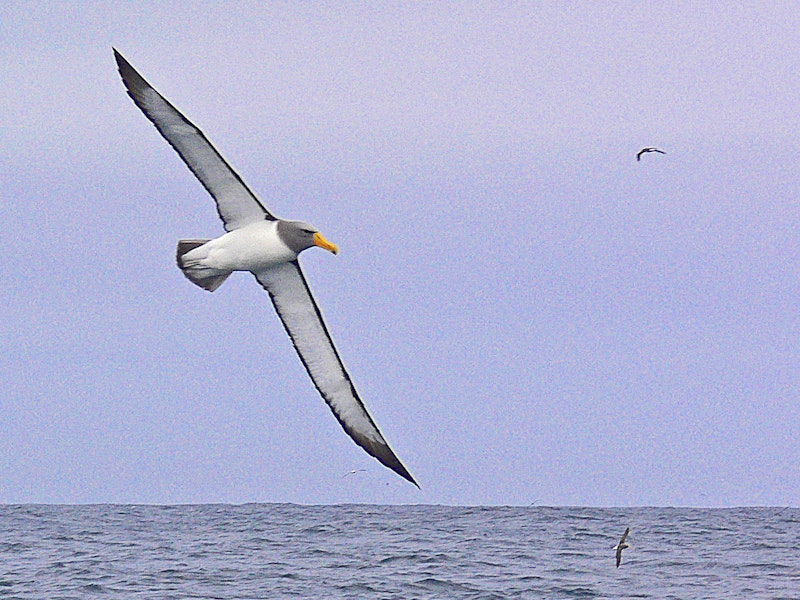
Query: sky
x: 530, y: 315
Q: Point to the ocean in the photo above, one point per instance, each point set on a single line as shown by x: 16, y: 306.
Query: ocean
x: 252, y: 551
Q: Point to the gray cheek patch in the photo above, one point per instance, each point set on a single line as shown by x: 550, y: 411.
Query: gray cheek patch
x: 295, y: 235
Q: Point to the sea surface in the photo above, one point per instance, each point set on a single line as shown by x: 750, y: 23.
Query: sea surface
x: 405, y: 552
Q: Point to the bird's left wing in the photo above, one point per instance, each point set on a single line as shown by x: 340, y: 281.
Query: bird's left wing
x: 236, y: 204
x: 624, y: 535
x: 303, y: 322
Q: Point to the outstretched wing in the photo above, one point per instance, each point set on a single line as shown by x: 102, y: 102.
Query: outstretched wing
x: 303, y: 322
x: 236, y: 204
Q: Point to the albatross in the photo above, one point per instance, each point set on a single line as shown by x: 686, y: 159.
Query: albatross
x: 645, y: 150
x: 622, y: 545
x: 255, y: 240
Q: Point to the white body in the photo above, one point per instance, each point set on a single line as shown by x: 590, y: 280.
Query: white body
x: 251, y: 248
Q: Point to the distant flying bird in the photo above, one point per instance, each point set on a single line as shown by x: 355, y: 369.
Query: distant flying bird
x: 648, y: 149
x: 268, y: 247
x: 621, y: 546
x: 353, y: 472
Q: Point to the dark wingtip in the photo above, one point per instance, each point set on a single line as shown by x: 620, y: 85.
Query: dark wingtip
x: 395, y: 465
x: 406, y: 475
x: 120, y: 60
x: 122, y: 63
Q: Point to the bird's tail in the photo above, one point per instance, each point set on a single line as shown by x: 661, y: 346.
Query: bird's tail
x: 208, y: 279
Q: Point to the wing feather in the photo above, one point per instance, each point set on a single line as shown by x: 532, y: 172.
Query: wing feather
x: 624, y: 536
x: 236, y: 204
x: 303, y: 321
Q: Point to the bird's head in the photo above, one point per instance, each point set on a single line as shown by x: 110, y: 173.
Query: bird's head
x: 300, y: 236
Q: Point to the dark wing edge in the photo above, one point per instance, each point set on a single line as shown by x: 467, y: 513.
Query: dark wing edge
x: 290, y: 274
x: 624, y: 535
x: 137, y: 87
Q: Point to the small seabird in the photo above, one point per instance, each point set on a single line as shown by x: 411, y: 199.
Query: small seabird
x: 621, y: 546
x: 268, y: 247
x: 648, y: 149
x: 353, y: 472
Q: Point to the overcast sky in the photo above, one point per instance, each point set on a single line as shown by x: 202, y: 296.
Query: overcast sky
x: 529, y: 313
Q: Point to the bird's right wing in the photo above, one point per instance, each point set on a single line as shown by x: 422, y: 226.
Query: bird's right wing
x: 236, y: 204
x: 303, y: 322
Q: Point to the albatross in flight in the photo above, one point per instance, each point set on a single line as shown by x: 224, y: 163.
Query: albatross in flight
x: 622, y: 545
x: 648, y: 149
x: 268, y: 247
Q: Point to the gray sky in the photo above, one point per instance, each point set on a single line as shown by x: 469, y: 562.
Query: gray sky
x: 529, y: 314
